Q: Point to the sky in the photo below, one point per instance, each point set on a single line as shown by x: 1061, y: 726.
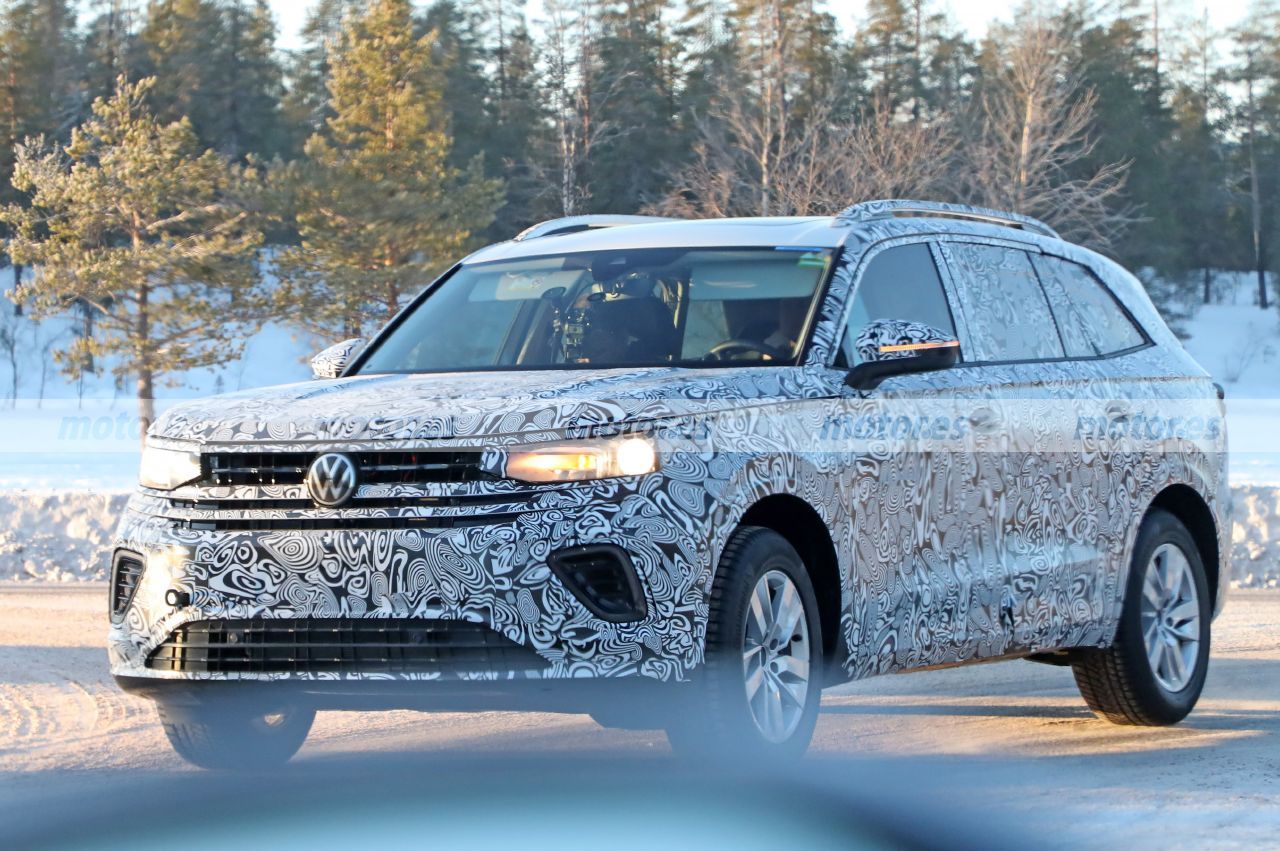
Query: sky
x: 972, y: 15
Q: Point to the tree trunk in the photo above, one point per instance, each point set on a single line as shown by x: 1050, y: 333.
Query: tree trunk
x: 1255, y: 198
x: 1208, y: 286
x: 146, y: 385
x: 17, y: 289
x: 146, y: 403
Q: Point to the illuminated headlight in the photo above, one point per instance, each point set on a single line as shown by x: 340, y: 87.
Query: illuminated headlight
x: 166, y: 469
x: 583, y: 460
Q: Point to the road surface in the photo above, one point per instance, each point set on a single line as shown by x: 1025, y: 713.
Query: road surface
x: 1011, y: 739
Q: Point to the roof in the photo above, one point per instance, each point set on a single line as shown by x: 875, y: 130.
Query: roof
x: 812, y: 231
x: 887, y: 217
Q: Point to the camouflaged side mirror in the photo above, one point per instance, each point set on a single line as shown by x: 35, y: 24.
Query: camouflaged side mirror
x: 331, y: 362
x: 889, y: 347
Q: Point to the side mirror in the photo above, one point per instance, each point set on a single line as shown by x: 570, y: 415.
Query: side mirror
x: 332, y: 361
x: 889, y: 347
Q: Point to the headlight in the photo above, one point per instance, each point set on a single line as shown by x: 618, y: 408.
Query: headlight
x: 166, y: 469
x: 583, y: 460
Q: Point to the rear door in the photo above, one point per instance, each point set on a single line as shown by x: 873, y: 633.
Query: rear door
x: 1042, y: 491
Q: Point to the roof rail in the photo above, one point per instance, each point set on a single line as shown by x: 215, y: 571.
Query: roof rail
x: 889, y: 208
x: 574, y: 224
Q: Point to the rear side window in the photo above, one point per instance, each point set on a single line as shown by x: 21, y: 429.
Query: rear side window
x: 899, y: 283
x: 1004, y: 308
x: 1091, y: 320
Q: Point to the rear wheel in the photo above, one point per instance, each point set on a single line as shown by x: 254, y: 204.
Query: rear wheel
x: 760, y: 686
x: 1154, y: 672
x: 233, y: 736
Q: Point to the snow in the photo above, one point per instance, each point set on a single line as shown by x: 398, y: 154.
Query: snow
x: 1239, y: 344
x: 1011, y: 746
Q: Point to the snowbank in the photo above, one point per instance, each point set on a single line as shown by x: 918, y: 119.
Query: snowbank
x: 57, y: 536
x: 65, y: 536
x: 1255, y: 536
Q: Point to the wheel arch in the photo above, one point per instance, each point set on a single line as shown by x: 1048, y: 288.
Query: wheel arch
x: 1193, y: 511
x: 803, y: 527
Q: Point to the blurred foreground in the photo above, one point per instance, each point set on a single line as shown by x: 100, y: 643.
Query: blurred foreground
x: 992, y: 756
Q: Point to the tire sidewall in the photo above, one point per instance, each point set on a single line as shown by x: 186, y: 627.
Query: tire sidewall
x: 751, y: 554
x: 1160, y: 528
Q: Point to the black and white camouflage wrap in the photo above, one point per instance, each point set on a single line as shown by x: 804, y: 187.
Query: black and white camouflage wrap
x: 952, y: 541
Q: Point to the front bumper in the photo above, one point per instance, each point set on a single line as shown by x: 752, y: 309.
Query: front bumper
x: 488, y: 568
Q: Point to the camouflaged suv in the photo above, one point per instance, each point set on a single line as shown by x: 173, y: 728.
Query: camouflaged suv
x: 682, y: 475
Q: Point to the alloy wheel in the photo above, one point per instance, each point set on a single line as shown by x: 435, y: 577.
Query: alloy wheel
x: 1170, y: 617
x: 775, y: 656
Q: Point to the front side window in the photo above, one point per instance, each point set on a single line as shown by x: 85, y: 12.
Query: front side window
x: 900, y: 283
x: 1091, y: 321
x: 1005, y: 310
x: 621, y: 308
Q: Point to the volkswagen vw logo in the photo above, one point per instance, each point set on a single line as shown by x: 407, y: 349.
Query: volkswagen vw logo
x: 331, y: 480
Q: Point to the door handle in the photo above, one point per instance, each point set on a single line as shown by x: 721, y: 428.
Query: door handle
x: 1118, y: 410
x: 984, y: 419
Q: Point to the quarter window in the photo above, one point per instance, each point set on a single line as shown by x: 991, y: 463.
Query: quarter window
x: 1004, y: 308
x: 1091, y: 321
x: 899, y: 283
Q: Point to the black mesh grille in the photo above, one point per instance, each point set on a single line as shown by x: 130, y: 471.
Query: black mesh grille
x: 126, y: 572
x: 376, y: 468
x: 340, y: 645
x: 601, y: 576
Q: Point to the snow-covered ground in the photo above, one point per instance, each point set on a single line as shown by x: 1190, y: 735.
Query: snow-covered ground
x: 1010, y: 746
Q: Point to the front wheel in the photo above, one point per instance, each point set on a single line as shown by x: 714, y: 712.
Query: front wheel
x: 1153, y: 674
x: 760, y: 686
x: 227, y: 735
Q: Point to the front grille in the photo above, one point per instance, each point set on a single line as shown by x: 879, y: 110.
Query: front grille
x: 341, y: 645
x: 126, y: 571
x: 254, y: 504
x: 312, y: 524
x: 224, y: 469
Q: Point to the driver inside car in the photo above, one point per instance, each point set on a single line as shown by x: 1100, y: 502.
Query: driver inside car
x: 629, y: 324
x: 776, y: 323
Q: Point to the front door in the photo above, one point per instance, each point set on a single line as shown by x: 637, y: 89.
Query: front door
x: 927, y: 579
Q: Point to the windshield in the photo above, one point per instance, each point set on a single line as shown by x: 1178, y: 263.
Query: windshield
x: 622, y: 308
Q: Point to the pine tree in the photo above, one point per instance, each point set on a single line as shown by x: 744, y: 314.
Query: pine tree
x: 132, y: 219
x: 517, y: 144
x: 110, y: 47
x: 306, y: 104
x: 1197, y: 158
x: 634, y: 86
x: 1257, y: 74
x: 38, y: 86
x: 214, y: 62
x: 380, y: 208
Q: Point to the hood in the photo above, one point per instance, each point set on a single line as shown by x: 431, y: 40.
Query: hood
x: 481, y: 404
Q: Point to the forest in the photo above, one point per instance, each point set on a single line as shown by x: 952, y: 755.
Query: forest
x: 160, y: 155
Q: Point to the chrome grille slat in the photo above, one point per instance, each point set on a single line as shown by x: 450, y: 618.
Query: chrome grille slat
x: 403, y: 467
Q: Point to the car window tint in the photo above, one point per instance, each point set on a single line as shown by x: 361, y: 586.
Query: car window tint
x: 1004, y: 308
x: 899, y: 283
x: 1091, y: 320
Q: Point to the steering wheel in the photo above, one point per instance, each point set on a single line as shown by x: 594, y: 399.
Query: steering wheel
x: 720, y: 351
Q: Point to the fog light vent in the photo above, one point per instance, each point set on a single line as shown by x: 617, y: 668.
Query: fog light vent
x: 602, y: 577
x: 126, y: 572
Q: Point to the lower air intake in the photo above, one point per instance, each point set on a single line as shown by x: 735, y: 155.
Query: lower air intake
x: 601, y: 576
x: 126, y: 572
x: 341, y: 646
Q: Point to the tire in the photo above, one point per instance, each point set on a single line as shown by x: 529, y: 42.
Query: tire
x: 718, y: 717
x: 230, y: 736
x: 1157, y: 682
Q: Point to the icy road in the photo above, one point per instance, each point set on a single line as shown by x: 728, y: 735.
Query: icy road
x: 1010, y: 744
